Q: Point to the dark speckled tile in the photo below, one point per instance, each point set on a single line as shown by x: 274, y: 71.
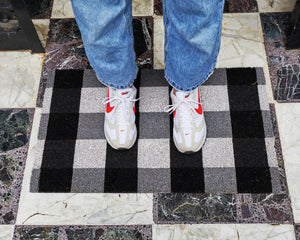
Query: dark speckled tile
x: 171, y: 208
x: 143, y: 41
x: 284, y: 68
x: 158, y: 8
x: 141, y: 232
x: 275, y: 26
x: 15, y: 128
x: 36, y: 232
x: 64, y: 48
x: 233, y: 6
x: 297, y: 231
x: 264, y: 208
x: 39, y: 9
x: 194, y: 208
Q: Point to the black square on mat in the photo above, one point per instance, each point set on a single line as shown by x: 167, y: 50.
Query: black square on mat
x: 62, y: 126
x: 121, y: 158
x: 250, y: 152
x: 253, y: 180
x: 181, y: 160
x: 247, y: 124
x: 243, y: 98
x: 188, y: 180
x: 120, y: 180
x: 68, y: 79
x: 65, y: 100
x: 58, y: 154
x: 241, y: 76
x: 55, y: 180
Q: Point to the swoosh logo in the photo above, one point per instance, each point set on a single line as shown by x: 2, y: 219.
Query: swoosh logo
x: 199, y: 109
x: 108, y: 107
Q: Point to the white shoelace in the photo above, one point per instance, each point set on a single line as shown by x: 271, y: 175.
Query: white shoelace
x: 188, y: 112
x: 123, y: 112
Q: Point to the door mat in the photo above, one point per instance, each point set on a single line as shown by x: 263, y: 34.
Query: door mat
x: 238, y: 155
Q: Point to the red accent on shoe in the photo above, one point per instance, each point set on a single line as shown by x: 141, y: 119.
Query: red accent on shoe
x: 134, y: 108
x: 187, y: 134
x: 174, y: 113
x: 199, y: 110
x: 108, y: 107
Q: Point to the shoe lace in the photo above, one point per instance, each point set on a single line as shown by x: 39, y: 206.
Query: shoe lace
x: 124, y: 103
x: 187, y: 113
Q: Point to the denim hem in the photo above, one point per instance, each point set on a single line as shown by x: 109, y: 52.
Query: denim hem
x: 198, y: 84
x: 107, y: 84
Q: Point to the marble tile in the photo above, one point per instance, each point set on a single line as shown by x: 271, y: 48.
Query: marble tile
x: 143, y: 41
x: 6, y: 232
x: 288, y: 116
x: 241, y: 43
x: 143, y: 232
x: 232, y: 6
x: 263, y: 231
x: 263, y: 208
x: 195, y: 232
x: 80, y: 208
x: 27, y: 232
x: 19, y: 79
x: 158, y: 8
x: 275, y: 26
x: 62, y: 9
x: 42, y: 29
x: 284, y: 68
x: 15, y: 125
x: 64, y: 47
x: 297, y: 231
x: 194, y: 208
x: 142, y: 7
x: 276, y: 5
x: 278, y: 150
x: 39, y: 9
x: 159, y: 36
x: 223, y: 232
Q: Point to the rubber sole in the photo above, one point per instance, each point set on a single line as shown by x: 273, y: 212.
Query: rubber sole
x: 200, y: 146
x: 122, y: 148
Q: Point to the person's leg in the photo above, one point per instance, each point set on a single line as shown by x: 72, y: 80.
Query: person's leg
x: 106, y: 29
x: 192, y: 41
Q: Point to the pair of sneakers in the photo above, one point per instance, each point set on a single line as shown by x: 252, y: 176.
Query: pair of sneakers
x: 189, y: 128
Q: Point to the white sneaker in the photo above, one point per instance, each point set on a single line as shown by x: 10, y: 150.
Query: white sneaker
x: 119, y: 125
x: 189, y: 128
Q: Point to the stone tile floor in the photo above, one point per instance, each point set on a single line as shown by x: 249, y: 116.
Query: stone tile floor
x: 254, y: 33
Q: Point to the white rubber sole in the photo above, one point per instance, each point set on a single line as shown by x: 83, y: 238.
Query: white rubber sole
x: 200, y: 146
x: 122, y: 148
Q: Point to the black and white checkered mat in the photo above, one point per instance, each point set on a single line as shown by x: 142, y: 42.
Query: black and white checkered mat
x: 238, y: 155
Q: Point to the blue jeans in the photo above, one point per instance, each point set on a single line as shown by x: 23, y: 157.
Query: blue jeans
x: 192, y: 40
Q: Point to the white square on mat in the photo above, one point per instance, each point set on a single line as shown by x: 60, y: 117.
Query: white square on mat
x: 91, y: 100
x: 90, y: 153
x: 154, y: 153
x: 214, y: 98
x: 218, y: 152
x: 153, y: 99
